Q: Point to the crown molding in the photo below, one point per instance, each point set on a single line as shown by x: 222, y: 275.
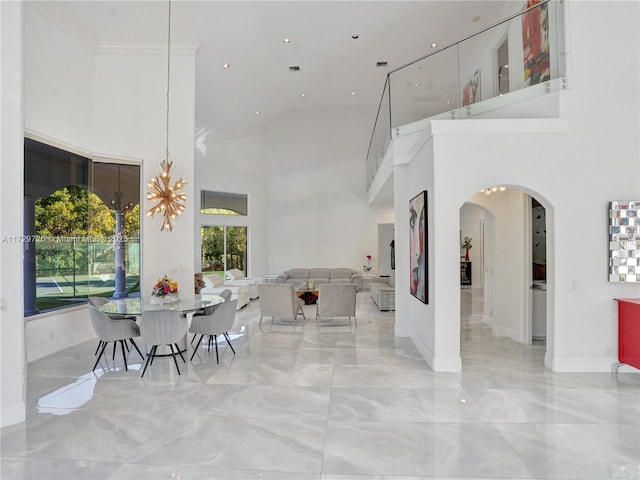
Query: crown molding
x: 83, y: 152
x: 54, y: 12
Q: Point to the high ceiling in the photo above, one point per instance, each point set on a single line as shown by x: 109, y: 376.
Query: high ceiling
x: 336, y: 45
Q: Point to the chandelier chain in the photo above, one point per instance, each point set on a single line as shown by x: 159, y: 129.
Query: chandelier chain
x: 168, y: 76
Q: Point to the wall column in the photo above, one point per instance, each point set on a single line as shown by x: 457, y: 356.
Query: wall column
x: 12, y: 344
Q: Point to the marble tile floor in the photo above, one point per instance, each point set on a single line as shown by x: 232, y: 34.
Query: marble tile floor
x: 327, y: 403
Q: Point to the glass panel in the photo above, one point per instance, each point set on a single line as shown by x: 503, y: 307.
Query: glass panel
x: 223, y: 248
x: 425, y: 89
x: 381, y: 136
x: 236, y: 251
x: 212, y: 248
x: 84, y: 220
x: 115, y: 226
x: 220, y: 203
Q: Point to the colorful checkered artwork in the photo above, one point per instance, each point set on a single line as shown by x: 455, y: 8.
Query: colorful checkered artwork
x: 624, y: 241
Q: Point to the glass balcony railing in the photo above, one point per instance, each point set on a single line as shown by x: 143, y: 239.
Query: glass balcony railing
x: 518, y: 58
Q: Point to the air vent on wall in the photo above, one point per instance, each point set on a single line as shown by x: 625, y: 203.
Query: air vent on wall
x: 381, y: 64
x: 295, y: 68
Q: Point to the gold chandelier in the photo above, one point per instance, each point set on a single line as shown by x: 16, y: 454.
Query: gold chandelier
x: 170, y: 200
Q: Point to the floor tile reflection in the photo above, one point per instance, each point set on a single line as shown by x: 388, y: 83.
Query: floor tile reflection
x: 325, y: 403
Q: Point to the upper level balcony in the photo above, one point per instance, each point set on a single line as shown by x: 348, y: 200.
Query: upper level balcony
x: 490, y: 74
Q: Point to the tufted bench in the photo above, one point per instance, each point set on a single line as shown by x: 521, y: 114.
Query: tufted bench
x: 383, y: 292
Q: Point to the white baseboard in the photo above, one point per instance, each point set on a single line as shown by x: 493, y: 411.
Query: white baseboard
x: 589, y: 365
x: 437, y: 364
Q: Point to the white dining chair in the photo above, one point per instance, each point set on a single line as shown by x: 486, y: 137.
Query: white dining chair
x: 217, y: 323
x: 162, y: 327
x: 110, y: 330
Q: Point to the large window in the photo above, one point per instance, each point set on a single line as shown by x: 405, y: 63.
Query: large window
x: 81, y: 228
x: 223, y: 248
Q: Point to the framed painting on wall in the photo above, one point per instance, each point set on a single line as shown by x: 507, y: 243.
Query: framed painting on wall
x: 535, y: 41
x: 418, y: 281
x: 471, y: 91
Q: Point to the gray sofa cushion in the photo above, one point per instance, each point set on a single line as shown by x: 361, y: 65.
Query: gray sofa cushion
x: 319, y: 276
x: 324, y: 273
x: 300, y: 273
x: 341, y: 280
x: 341, y: 274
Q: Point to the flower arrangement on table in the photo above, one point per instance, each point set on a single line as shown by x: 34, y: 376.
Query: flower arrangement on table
x: 165, y: 291
x: 368, y: 266
x: 466, y: 245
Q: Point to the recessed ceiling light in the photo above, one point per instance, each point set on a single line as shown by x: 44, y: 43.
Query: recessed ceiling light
x: 355, y: 37
x: 433, y: 45
x: 226, y: 66
x: 303, y: 95
x: 287, y: 40
x: 354, y: 93
x: 257, y: 112
x: 416, y: 84
x: 448, y: 102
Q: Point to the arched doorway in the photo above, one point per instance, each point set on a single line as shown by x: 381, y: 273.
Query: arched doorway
x: 509, y: 292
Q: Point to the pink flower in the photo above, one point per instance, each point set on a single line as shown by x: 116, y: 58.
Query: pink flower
x: 166, y: 289
x: 369, y: 257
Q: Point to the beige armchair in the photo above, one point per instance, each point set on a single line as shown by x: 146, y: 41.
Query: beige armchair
x: 337, y: 300
x: 279, y: 300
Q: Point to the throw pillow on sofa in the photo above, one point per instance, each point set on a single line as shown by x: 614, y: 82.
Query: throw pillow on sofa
x: 213, y: 280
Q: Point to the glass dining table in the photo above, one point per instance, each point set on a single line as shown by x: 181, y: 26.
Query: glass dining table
x: 187, y: 304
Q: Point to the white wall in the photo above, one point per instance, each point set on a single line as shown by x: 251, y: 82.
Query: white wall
x: 130, y: 121
x: 318, y: 214
x: 305, y: 181
x: 236, y: 165
x: 58, y: 79
x: 572, y: 166
x: 13, y: 362
x: 509, y: 270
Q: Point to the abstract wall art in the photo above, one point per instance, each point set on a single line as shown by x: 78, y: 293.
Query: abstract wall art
x: 624, y: 241
x: 418, y: 281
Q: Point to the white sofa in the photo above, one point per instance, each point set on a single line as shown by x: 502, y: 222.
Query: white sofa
x: 298, y: 276
x: 215, y: 284
x: 237, y: 278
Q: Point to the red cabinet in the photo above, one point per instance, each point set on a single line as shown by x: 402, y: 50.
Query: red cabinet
x: 629, y: 331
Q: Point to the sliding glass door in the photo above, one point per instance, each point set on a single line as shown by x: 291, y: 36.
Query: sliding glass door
x: 223, y: 248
